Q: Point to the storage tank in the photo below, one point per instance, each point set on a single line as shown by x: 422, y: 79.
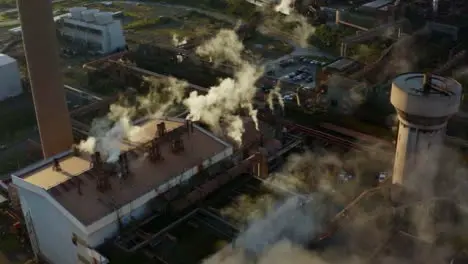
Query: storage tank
x: 88, y: 15
x: 424, y: 104
x: 104, y: 18
x: 76, y: 12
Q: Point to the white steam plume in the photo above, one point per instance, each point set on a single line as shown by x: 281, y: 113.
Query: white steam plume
x: 221, y: 105
x: 368, y: 233
x: 297, y: 220
x: 292, y: 25
x: 109, y: 133
x: 285, y: 7
x: 224, y: 47
x: 275, y: 93
x: 302, y: 31
x: 177, y: 42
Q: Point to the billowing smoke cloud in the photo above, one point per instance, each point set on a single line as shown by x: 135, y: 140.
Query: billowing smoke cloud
x: 296, y: 220
x: 278, y: 232
x: 275, y: 94
x: 224, y: 47
x: 109, y: 133
x: 285, y: 7
x: 177, y: 42
x: 220, y: 107
x: 302, y: 31
x: 287, y: 23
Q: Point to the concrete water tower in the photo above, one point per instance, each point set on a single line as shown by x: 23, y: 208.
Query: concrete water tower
x: 424, y: 103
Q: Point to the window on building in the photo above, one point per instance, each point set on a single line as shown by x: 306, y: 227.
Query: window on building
x: 95, y: 31
x: 74, y: 239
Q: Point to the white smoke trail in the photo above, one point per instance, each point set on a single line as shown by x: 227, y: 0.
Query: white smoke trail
x: 162, y: 95
x: 302, y: 31
x: 222, y: 102
x: 110, y: 143
x: 177, y: 42
x: 275, y: 93
x: 297, y: 220
x: 278, y: 236
x: 108, y: 134
x: 285, y: 7
x: 224, y: 47
x: 291, y: 25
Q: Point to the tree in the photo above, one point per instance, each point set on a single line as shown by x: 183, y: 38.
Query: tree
x: 325, y: 35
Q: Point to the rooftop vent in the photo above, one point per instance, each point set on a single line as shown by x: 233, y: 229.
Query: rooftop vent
x: 155, y: 151
x: 88, y: 15
x: 56, y: 165
x: 76, y: 12
x: 75, y: 150
x: 104, y: 18
x: 123, y: 163
x: 103, y: 182
x: 96, y: 161
x: 177, y: 144
x: 78, y: 183
x: 189, y: 126
x: 161, y: 127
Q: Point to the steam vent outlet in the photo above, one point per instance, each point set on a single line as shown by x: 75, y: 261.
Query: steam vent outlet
x: 424, y: 103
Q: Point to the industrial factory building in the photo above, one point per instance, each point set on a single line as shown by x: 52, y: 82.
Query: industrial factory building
x: 90, y: 199
x: 10, y: 76
x: 98, y: 30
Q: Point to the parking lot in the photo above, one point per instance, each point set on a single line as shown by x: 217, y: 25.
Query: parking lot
x: 298, y: 70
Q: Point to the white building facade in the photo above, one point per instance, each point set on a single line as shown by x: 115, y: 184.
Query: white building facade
x: 61, y: 238
x: 98, y: 30
x: 10, y: 85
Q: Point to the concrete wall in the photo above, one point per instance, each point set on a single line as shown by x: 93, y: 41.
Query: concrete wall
x: 116, y: 37
x: 52, y: 229
x: 416, y: 155
x: 10, y: 84
x: 110, y: 38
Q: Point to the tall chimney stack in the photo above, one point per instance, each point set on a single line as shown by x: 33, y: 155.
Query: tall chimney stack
x: 41, y: 50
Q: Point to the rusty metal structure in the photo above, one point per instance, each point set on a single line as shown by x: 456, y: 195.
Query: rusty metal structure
x: 41, y: 49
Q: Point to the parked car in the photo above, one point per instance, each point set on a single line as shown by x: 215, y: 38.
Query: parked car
x: 382, y: 176
x: 288, y: 96
x: 345, y: 176
x: 309, y: 79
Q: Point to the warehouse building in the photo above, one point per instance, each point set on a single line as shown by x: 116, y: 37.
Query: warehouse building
x: 97, y: 30
x: 89, y: 199
x: 11, y: 79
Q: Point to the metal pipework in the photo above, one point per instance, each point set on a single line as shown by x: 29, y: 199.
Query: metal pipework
x: 41, y: 50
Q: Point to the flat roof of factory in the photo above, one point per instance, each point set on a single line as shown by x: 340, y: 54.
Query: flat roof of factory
x: 341, y: 64
x: 145, y: 175
x: 377, y: 4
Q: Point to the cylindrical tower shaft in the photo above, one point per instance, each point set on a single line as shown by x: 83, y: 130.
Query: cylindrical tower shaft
x: 416, y: 148
x: 424, y: 104
x: 41, y: 49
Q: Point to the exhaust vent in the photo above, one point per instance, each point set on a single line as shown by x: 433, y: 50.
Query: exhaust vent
x: 56, y: 165
x: 124, y: 170
x: 161, y: 127
x: 155, y: 151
